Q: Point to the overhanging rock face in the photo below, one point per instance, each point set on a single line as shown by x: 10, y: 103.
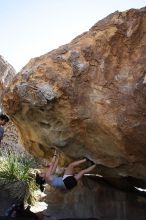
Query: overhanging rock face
x: 88, y: 98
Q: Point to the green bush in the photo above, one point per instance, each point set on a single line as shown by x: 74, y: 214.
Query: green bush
x: 17, y: 167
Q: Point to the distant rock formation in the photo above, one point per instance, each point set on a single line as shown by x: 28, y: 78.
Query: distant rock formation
x: 88, y: 98
x: 11, y: 139
x: 7, y: 72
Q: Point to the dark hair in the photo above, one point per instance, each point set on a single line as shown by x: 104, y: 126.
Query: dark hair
x: 4, y: 118
x: 40, y: 181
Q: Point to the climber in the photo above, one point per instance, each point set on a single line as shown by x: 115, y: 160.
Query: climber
x: 69, y: 179
x: 3, y: 120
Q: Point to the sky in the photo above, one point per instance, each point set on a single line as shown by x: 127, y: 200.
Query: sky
x: 31, y: 28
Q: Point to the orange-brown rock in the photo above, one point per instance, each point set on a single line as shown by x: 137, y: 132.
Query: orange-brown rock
x: 88, y: 98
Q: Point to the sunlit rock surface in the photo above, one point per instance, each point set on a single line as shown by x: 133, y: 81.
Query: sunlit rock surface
x: 88, y: 98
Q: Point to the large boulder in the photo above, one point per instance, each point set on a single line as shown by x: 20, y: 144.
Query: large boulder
x: 88, y: 98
